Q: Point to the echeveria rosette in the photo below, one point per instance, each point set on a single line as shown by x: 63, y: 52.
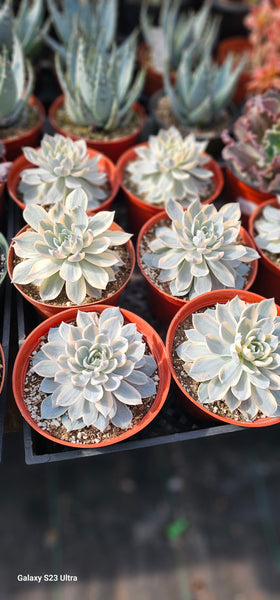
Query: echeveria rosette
x: 62, y: 166
x: 233, y: 351
x: 94, y: 370
x: 268, y: 229
x: 66, y: 247
x: 200, y: 251
x: 170, y: 167
x: 254, y: 152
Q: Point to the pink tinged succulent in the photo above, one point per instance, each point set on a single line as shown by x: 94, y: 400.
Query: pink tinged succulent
x: 94, y: 370
x: 233, y: 351
x: 62, y: 165
x: 68, y: 249
x: 200, y: 250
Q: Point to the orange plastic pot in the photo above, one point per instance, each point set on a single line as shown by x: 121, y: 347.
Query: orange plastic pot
x: 247, y: 196
x: 105, y: 164
x: 237, y: 45
x: 191, y: 405
x: 139, y: 211
x: 14, y: 145
x: 154, y: 78
x: 2, y: 360
x: 268, y: 279
x: 47, y: 310
x: 31, y: 344
x: 111, y: 148
x: 165, y: 305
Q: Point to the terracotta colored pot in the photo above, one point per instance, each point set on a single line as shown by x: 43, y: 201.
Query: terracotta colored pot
x: 105, y: 164
x: 2, y: 360
x: 154, y: 78
x: 191, y: 405
x: 237, y: 45
x: 247, y: 196
x: 31, y: 343
x: 268, y: 279
x: 14, y: 145
x: 47, y: 310
x: 165, y: 305
x: 111, y: 148
x: 139, y: 211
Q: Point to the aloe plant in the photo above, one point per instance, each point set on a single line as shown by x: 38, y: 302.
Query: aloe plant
x: 253, y: 152
x: 98, y: 83
x: 16, y: 83
x: 197, y: 30
x: 233, y: 352
x: 62, y: 165
x: 93, y: 371
x: 199, y: 251
x: 88, y: 19
x: 201, y: 92
x: 67, y: 249
x: 170, y: 167
x: 27, y: 24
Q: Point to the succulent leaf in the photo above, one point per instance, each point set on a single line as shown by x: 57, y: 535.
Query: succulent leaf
x: 268, y: 229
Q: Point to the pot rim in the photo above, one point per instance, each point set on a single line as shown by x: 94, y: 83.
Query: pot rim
x: 154, y: 343
x: 203, y: 301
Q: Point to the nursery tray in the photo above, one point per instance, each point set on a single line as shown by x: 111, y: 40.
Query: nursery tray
x: 172, y: 424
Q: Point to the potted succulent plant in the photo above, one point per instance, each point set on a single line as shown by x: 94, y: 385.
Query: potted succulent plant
x: 175, y: 32
x: 199, y: 101
x: 21, y: 115
x: 3, y: 258
x: 46, y: 175
x: 252, y: 155
x: 183, y: 254
x: 98, y: 377
x: 167, y: 166
x: 264, y: 226
x: 66, y: 258
x: 99, y: 102
x: 223, y: 352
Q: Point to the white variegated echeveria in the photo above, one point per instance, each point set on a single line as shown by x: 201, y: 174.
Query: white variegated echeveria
x: 62, y: 166
x: 66, y: 247
x: 233, y: 350
x: 93, y: 370
x: 268, y: 228
x: 200, y: 251
x: 170, y: 167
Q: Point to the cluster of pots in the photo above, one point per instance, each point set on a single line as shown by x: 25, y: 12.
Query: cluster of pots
x: 142, y: 216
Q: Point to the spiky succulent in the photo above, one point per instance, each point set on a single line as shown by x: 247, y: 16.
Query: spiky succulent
x: 16, y: 83
x: 254, y: 152
x: 63, y: 165
x: 27, y: 24
x: 233, y: 351
x: 66, y: 249
x: 202, y: 90
x: 94, y: 370
x: 97, y: 82
x: 268, y: 229
x: 170, y: 167
x: 197, y: 30
x: 200, y: 251
x: 86, y: 18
